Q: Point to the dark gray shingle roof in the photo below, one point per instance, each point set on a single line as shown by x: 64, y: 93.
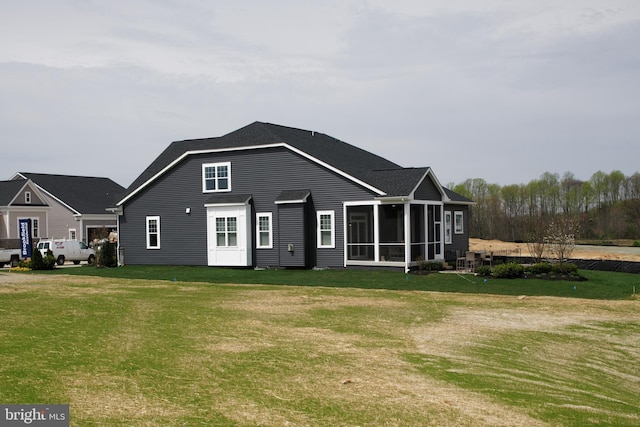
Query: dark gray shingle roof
x: 293, y: 196
x: 345, y: 157
x: 8, y: 190
x: 455, y: 197
x: 228, y: 198
x: 360, y: 164
x: 398, y: 182
x: 84, y: 194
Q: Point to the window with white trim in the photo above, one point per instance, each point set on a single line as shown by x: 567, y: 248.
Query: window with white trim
x: 263, y: 230
x: 448, y: 238
x: 35, y: 228
x: 153, y: 232
x: 27, y: 197
x: 326, y: 229
x: 458, y: 222
x: 216, y: 177
x: 227, y: 232
x: 72, y: 234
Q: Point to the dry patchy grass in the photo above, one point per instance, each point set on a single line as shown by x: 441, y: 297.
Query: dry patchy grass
x: 151, y: 353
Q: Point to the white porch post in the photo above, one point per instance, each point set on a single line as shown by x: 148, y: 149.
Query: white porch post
x: 376, y: 233
x: 407, y: 236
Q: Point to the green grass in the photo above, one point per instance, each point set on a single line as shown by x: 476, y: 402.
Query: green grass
x: 583, y: 373
x: 600, y: 285
x: 125, y: 351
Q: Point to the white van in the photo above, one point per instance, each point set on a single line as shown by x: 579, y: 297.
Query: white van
x: 67, y: 250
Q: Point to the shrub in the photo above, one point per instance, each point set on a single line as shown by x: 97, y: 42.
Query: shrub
x: 107, y: 255
x: 435, y: 266
x: 483, y: 270
x: 508, y: 271
x: 38, y: 262
x: 540, y: 268
x: 25, y: 263
x: 565, y: 268
x: 636, y: 243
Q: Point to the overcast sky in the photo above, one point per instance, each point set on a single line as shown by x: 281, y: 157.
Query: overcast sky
x: 494, y: 89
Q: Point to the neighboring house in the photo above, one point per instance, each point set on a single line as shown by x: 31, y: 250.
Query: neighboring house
x: 78, y: 204
x: 21, y: 200
x: 268, y: 196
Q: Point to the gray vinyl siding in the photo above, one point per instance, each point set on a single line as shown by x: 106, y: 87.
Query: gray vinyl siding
x: 35, y: 200
x: 459, y: 242
x: 427, y: 190
x: 292, y: 226
x: 14, y: 217
x: 61, y: 219
x: 263, y: 173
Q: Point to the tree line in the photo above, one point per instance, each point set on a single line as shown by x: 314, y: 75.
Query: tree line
x: 606, y: 207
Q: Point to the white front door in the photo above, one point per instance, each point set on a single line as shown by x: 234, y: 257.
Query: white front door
x: 228, y: 235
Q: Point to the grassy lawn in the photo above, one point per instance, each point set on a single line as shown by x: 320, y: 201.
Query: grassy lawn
x: 194, y: 352
x: 600, y: 285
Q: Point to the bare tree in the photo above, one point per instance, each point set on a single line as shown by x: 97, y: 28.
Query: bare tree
x: 561, y: 238
x: 537, y: 243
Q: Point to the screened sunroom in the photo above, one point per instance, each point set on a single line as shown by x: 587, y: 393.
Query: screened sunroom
x: 393, y: 233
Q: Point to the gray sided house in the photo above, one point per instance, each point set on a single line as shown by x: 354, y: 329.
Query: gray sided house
x: 21, y: 200
x: 77, y: 204
x: 274, y: 196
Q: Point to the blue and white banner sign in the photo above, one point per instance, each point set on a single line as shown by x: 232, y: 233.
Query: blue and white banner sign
x: 25, y: 237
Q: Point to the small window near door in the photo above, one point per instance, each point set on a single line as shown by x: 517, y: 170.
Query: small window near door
x: 447, y: 227
x: 326, y: 229
x: 263, y: 230
x: 458, y: 221
x: 72, y: 234
x: 35, y: 228
x: 153, y: 232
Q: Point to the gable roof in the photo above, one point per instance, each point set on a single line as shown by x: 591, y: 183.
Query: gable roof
x: 370, y: 170
x: 81, y: 194
x: 9, y: 190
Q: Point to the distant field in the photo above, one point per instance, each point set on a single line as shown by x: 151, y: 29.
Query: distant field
x: 127, y: 352
x: 621, y: 251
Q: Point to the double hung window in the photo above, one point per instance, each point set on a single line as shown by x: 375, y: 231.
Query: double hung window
x: 153, y: 232
x: 458, y: 222
x: 216, y: 177
x: 227, y: 232
x: 263, y: 230
x: 326, y: 229
x: 35, y: 228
